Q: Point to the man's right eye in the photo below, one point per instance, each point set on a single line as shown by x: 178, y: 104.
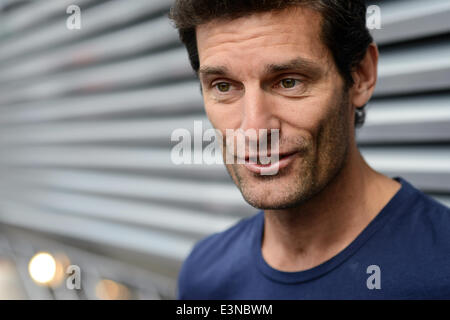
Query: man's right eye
x: 223, y: 87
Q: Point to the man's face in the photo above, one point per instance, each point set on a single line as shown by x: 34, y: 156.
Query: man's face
x: 272, y: 71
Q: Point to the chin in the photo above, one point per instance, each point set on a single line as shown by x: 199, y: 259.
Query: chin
x: 282, y: 191
x: 273, y: 199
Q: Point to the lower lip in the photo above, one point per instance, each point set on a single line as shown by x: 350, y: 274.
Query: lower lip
x: 272, y: 168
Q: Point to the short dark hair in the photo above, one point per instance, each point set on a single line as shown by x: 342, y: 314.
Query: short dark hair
x: 344, y: 29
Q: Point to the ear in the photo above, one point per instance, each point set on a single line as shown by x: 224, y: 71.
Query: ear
x: 365, y: 77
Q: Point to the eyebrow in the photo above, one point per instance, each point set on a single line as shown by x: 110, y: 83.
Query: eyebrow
x: 209, y: 70
x: 311, y: 68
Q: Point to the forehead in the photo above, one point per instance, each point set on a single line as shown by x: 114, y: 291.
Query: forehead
x: 268, y: 36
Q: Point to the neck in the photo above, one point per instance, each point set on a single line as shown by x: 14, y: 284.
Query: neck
x: 303, y: 237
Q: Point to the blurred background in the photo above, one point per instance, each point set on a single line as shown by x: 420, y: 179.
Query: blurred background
x: 86, y: 117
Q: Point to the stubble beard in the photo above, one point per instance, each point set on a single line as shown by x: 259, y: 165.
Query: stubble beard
x: 307, y: 176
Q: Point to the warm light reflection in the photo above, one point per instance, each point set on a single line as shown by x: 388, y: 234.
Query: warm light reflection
x: 62, y: 262
x: 42, y: 268
x: 111, y: 290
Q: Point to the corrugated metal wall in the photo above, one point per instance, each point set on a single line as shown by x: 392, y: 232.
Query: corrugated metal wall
x: 86, y: 118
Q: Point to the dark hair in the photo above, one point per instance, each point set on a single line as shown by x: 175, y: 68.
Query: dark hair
x: 344, y: 29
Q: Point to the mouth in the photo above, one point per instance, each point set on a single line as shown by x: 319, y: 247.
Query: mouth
x: 271, y: 168
x: 248, y: 158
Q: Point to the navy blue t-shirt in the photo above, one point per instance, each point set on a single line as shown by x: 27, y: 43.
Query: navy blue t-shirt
x: 404, y: 253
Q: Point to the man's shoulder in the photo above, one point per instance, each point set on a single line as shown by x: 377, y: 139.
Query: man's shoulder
x: 213, y: 259
x: 412, y: 248
x: 429, y: 207
x: 422, y: 220
x: 436, y: 216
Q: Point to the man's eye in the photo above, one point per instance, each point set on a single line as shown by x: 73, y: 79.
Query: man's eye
x: 223, y: 86
x: 289, y: 83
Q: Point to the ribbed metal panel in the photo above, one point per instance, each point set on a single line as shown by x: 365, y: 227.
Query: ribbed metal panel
x: 86, y: 118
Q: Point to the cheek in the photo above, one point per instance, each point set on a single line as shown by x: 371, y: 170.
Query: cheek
x: 334, y: 136
x: 315, y: 109
x: 223, y: 116
x: 307, y: 114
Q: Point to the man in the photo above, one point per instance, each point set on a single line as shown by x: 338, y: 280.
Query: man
x: 331, y: 227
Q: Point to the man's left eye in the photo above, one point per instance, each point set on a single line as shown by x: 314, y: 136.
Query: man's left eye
x: 289, y: 83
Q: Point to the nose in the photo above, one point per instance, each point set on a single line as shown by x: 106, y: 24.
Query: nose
x: 257, y: 110
x: 258, y: 113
